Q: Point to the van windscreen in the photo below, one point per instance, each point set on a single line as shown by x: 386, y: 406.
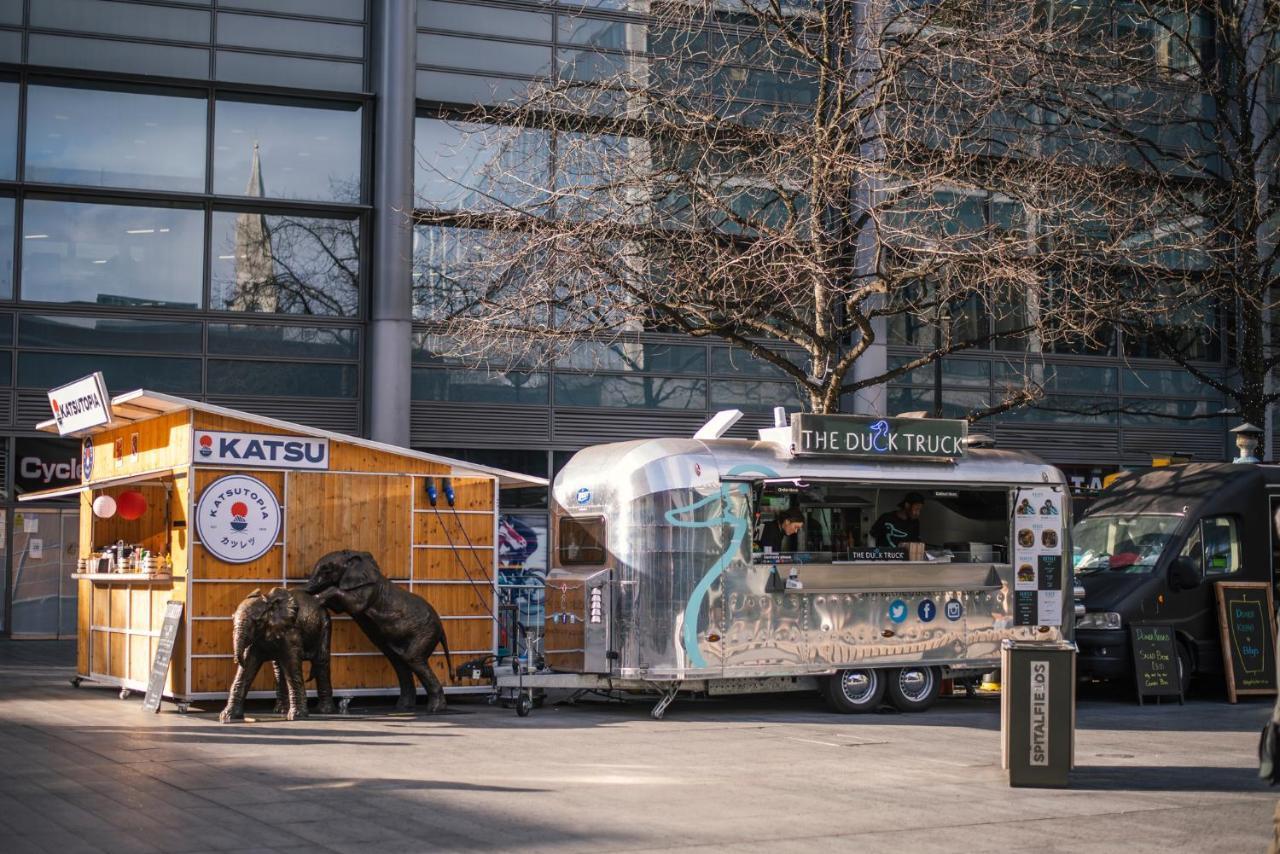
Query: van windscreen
x: 580, y: 541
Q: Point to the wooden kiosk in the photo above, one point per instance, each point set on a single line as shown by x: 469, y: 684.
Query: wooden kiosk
x: 274, y: 497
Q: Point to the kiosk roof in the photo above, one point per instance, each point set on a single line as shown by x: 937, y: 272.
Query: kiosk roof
x: 142, y: 405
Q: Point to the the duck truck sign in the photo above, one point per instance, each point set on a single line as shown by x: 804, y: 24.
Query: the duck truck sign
x: 81, y: 404
x: 875, y: 437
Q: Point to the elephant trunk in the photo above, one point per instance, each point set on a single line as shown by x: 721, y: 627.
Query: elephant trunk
x: 242, y: 638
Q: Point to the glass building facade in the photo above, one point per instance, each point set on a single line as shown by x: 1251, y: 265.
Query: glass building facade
x: 191, y: 200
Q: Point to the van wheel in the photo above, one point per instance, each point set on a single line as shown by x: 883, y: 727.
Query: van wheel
x: 914, y: 689
x: 1186, y: 667
x: 852, y: 692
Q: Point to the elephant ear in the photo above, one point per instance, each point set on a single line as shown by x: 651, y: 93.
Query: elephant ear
x: 284, y: 608
x: 360, y: 571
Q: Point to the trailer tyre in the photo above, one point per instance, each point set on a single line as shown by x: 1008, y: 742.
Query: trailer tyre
x: 852, y: 692
x: 913, y: 689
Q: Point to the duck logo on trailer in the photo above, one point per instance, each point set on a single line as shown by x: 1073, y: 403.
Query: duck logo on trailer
x: 238, y: 518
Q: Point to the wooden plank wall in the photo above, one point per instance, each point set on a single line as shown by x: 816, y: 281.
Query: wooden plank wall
x: 369, y: 500
x: 164, y: 442
x: 119, y: 621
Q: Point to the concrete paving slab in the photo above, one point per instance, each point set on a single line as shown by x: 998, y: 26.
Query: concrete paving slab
x: 83, y: 771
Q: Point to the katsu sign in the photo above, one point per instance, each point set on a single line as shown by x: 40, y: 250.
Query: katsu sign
x: 872, y: 437
x: 260, y: 450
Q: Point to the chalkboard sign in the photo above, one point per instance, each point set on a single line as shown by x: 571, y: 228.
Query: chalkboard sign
x: 1246, y: 619
x: 164, y: 652
x: 1155, y: 662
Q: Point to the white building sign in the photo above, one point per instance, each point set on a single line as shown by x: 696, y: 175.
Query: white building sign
x: 81, y: 404
x: 261, y: 450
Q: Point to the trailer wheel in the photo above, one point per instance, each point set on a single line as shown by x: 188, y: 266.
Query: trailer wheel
x: 524, y: 705
x: 852, y: 692
x: 914, y: 689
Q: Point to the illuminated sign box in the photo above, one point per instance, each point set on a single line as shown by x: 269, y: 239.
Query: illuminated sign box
x: 869, y: 437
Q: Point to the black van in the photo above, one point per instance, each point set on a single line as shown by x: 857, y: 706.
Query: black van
x: 1150, y: 549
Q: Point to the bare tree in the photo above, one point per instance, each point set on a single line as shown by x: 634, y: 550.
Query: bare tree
x: 1204, y: 151
x: 798, y: 180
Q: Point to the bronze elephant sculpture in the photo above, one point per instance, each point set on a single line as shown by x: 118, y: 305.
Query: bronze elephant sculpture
x: 285, y: 627
x: 403, y: 626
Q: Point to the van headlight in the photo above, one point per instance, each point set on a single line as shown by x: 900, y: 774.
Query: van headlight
x: 1099, y: 620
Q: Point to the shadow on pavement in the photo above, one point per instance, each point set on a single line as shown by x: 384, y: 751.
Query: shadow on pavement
x: 1166, y: 778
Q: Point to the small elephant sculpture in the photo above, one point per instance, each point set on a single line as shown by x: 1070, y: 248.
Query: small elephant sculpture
x: 403, y: 626
x: 285, y: 627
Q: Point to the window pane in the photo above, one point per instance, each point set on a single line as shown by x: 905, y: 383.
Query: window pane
x: 298, y: 71
x: 754, y: 396
x: 350, y: 9
x: 275, y: 379
x: 127, y: 57
x: 111, y: 254
x: 479, y: 386
x: 105, y: 138
x: 1057, y: 378
x: 287, y: 152
x: 244, y: 339
x: 485, y: 20
x: 468, y: 88
x: 6, y: 367
x: 286, y: 264
x: 8, y: 128
x: 1166, y: 382
x: 955, y: 372
x: 6, y: 330
x: 731, y: 360
x: 6, y: 247
x: 955, y: 404
x: 123, y: 373
x: 11, y: 12
x: 484, y: 55
x: 69, y: 332
x: 636, y: 356
x: 478, y: 167
x: 122, y: 19
x: 634, y: 392
x: 10, y: 46
x: 597, y: 32
x: 284, y: 34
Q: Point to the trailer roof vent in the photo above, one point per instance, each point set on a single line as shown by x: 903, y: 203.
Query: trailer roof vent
x: 719, y: 424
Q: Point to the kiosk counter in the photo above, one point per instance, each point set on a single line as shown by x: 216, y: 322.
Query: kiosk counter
x: 187, y: 502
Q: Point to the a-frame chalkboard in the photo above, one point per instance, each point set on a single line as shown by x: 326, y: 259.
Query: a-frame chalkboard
x: 1247, y: 622
x: 1155, y: 662
x: 164, y: 653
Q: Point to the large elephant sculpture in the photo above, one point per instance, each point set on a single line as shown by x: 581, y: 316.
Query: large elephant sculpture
x: 285, y: 627
x: 403, y: 626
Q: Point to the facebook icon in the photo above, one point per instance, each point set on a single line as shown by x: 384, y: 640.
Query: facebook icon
x: 927, y: 610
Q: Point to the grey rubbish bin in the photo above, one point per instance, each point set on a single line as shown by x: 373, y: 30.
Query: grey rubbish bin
x: 1038, y: 712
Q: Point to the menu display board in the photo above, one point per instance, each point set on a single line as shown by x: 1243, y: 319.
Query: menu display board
x: 1037, y: 557
x: 1155, y: 662
x: 1246, y: 620
x: 164, y: 654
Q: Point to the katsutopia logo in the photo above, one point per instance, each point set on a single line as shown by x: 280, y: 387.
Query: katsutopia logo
x: 238, y: 518
x: 262, y: 450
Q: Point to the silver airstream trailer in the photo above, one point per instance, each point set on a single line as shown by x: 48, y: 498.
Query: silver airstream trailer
x: 659, y: 582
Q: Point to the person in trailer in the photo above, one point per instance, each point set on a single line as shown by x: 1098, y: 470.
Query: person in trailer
x: 893, y: 530
x: 780, y: 534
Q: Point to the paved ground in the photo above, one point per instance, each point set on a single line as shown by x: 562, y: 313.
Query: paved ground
x: 83, y: 771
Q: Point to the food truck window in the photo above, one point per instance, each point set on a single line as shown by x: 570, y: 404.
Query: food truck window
x: 581, y: 540
x: 958, y: 525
